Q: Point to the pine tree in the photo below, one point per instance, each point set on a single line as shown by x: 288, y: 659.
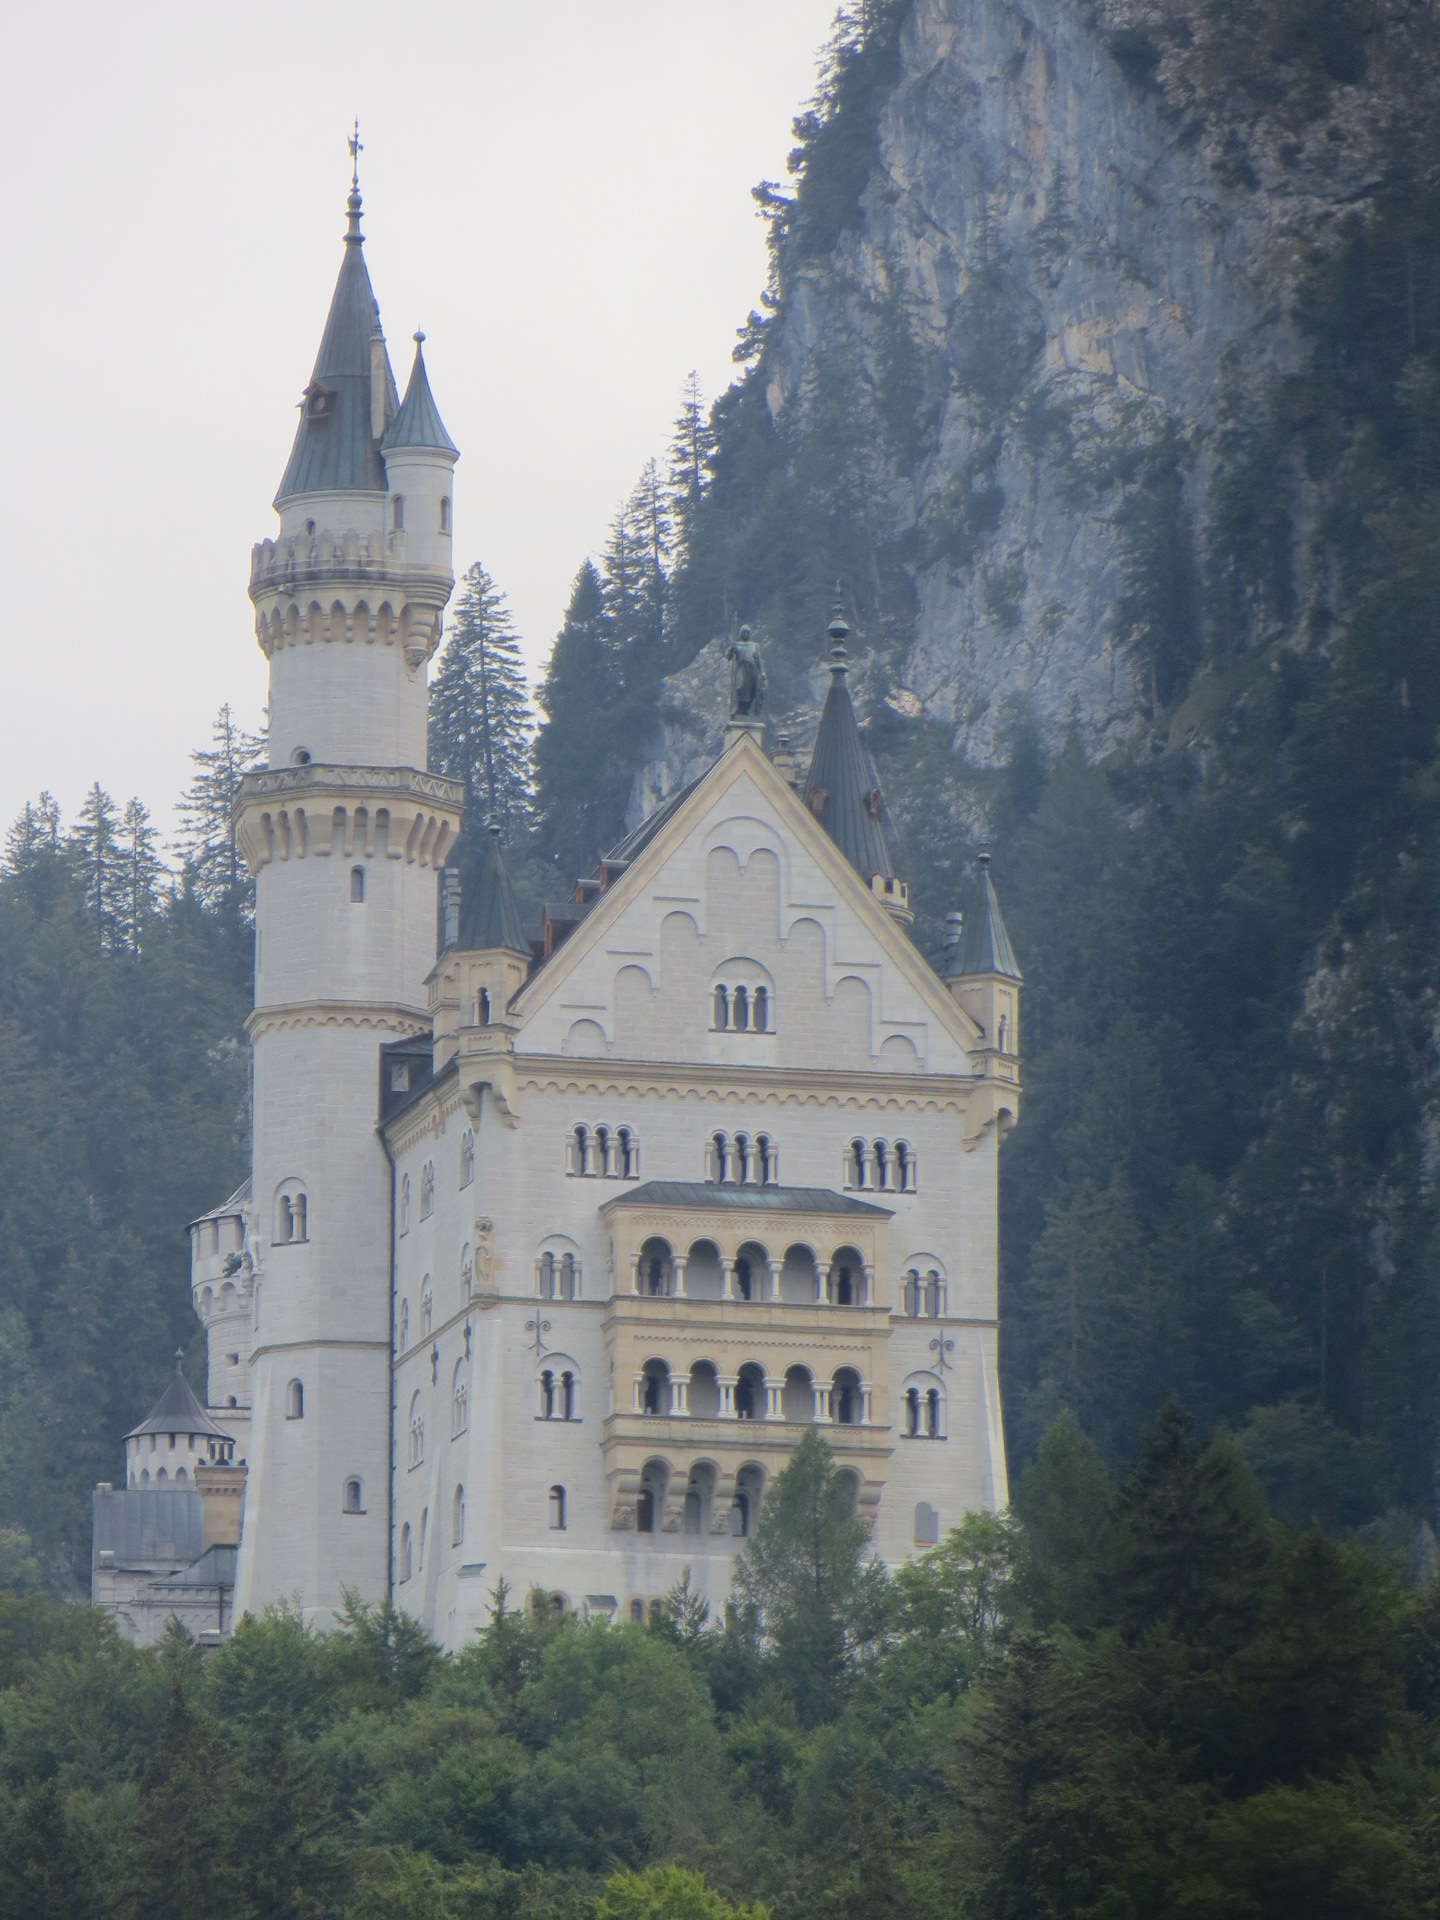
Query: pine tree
x: 578, y: 752
x: 140, y: 871
x: 480, y: 716
x: 692, y: 448
x: 34, y: 837
x: 213, y: 867
x: 96, y: 848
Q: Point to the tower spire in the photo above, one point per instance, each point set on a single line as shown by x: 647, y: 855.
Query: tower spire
x: 353, y: 234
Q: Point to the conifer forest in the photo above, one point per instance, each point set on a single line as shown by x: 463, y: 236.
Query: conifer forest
x: 1195, y: 1669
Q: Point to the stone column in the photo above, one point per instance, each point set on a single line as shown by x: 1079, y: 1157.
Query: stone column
x: 774, y: 1393
x: 727, y: 1395
x: 679, y: 1397
x: 678, y: 1261
x: 822, y: 1404
x: 867, y: 1298
x: 822, y: 1284
x: 867, y: 1403
x: 727, y: 1280
x: 639, y: 1391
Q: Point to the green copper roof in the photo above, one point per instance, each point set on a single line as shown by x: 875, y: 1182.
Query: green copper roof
x: 984, y: 944
x: 842, y: 789
x: 334, y: 450
x: 418, y: 423
x: 490, y: 917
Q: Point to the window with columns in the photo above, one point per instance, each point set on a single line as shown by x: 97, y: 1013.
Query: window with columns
x: 742, y: 1006
x: 742, y: 1160
x: 602, y: 1152
x: 880, y: 1166
x: 923, y: 1292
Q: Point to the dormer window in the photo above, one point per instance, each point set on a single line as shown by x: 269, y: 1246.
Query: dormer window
x: 317, y: 400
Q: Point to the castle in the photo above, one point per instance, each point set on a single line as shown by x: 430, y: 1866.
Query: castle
x: 557, y: 1240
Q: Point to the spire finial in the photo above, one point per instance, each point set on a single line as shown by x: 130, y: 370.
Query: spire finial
x: 179, y: 1359
x: 839, y: 633
x: 352, y: 204
x: 418, y: 336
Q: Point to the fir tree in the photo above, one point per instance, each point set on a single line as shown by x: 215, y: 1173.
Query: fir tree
x: 140, y: 871
x: 480, y: 716
x: 97, y: 850
x: 692, y: 448
x: 34, y: 837
x: 579, y: 750
x: 213, y: 868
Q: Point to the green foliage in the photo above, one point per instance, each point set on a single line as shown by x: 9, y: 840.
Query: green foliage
x: 1132, y: 1697
x: 210, y: 855
x: 480, y: 719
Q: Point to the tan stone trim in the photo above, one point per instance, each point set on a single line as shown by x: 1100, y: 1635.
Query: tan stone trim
x: 286, y: 1016
x: 855, y: 1089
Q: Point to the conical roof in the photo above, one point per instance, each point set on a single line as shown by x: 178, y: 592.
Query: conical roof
x: 984, y: 944
x: 842, y: 789
x: 418, y: 423
x: 489, y: 916
x: 178, y: 1411
x: 334, y: 449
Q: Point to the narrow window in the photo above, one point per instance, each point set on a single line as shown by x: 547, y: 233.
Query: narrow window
x: 567, y: 1396
x: 557, y: 1509
x: 1003, y: 1036
x: 354, y: 1497
x: 742, y: 1159
x: 645, y: 1511
x: 932, y: 1414
x: 405, y: 1551
x: 720, y: 1152
x: 285, y: 1225
x: 882, y: 1166
x: 912, y: 1412
x: 457, y: 1518
x: 927, y: 1525
x: 860, y: 1159
x: 722, y: 1009
x: 295, y: 1401
x: 397, y: 513
x: 629, y: 1154
x: 604, y: 1153
x: 637, y: 1613
x: 760, y: 1011
x: 692, y: 1511
x: 547, y: 1276
x: 742, y: 1277
x: 547, y: 1395
x: 741, y: 1010
x: 444, y: 513
x: 357, y: 884
x: 567, y: 1276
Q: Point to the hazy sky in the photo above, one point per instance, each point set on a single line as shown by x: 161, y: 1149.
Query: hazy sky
x: 557, y: 193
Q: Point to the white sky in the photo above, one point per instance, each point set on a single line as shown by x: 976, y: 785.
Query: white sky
x: 557, y: 193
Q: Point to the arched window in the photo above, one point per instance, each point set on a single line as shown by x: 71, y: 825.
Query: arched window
x: 846, y: 1403
x: 719, y: 1157
x: 904, y: 1167
x: 655, y: 1387
x: 750, y: 1392
x: 295, y: 1401
x: 880, y: 1153
x: 357, y: 884
x: 1002, y: 1034
x: 859, y: 1164
x: 740, y: 1159
x: 722, y: 1009
x: 637, y: 1613
x: 604, y: 1153
x: 457, y: 1518
x: 927, y: 1525
x: 405, y: 1551
x: 546, y: 1276
x: 749, y: 1485
x: 482, y: 1007
x: 567, y: 1395
x: 911, y: 1295
x: 427, y: 1310
x: 467, y: 1157
x: 655, y: 1270
x: 629, y: 1154
x: 402, y: 1331
x: 567, y: 1276
x: 645, y: 1510
x: 417, y: 1431
x: 934, y: 1294
x: 354, y: 1499
x: 767, y: 1163
x: 693, y: 1510
x: 557, y: 1509
x: 760, y: 1011
x: 290, y: 1216
x: 444, y: 513
x: 740, y: 1009
x: 912, y: 1412
x: 797, y: 1400
x: 427, y: 1190
x: 578, y: 1151
x: 459, y: 1401
x: 405, y: 1203
x: 397, y: 514
x: 932, y: 1414
x: 547, y: 1395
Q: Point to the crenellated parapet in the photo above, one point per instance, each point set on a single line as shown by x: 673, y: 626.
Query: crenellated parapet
x: 374, y: 813
x: 326, y: 588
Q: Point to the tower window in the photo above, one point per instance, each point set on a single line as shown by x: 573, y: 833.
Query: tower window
x: 457, y: 1518
x: 444, y: 513
x: 354, y: 1501
x: 357, y: 884
x: 397, y: 513
x: 295, y: 1401
x: 557, y: 1509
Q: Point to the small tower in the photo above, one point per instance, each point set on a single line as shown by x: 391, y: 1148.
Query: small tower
x: 983, y: 975
x: 473, y: 984
x: 346, y: 833
x: 842, y: 788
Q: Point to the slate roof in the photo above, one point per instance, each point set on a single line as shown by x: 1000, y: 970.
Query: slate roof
x: 418, y: 423
x: 148, y: 1526
x: 984, y: 943
x: 842, y: 788
x: 711, y: 1194
x: 490, y: 916
x: 234, y: 1204
x: 636, y: 841
x: 334, y: 450
x: 178, y: 1411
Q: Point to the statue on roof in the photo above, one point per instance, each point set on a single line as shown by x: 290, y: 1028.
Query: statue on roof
x: 747, y: 677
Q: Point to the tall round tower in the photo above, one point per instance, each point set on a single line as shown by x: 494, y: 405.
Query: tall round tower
x: 346, y: 834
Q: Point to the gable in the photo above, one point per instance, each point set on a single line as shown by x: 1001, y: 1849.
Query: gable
x: 743, y: 907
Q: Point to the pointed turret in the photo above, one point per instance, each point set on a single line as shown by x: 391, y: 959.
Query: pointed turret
x: 473, y: 983
x: 418, y: 423
x: 491, y: 919
x: 842, y: 788
x: 983, y: 974
x: 351, y: 400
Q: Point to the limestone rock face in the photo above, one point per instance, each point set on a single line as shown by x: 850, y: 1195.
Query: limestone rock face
x: 1077, y: 245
